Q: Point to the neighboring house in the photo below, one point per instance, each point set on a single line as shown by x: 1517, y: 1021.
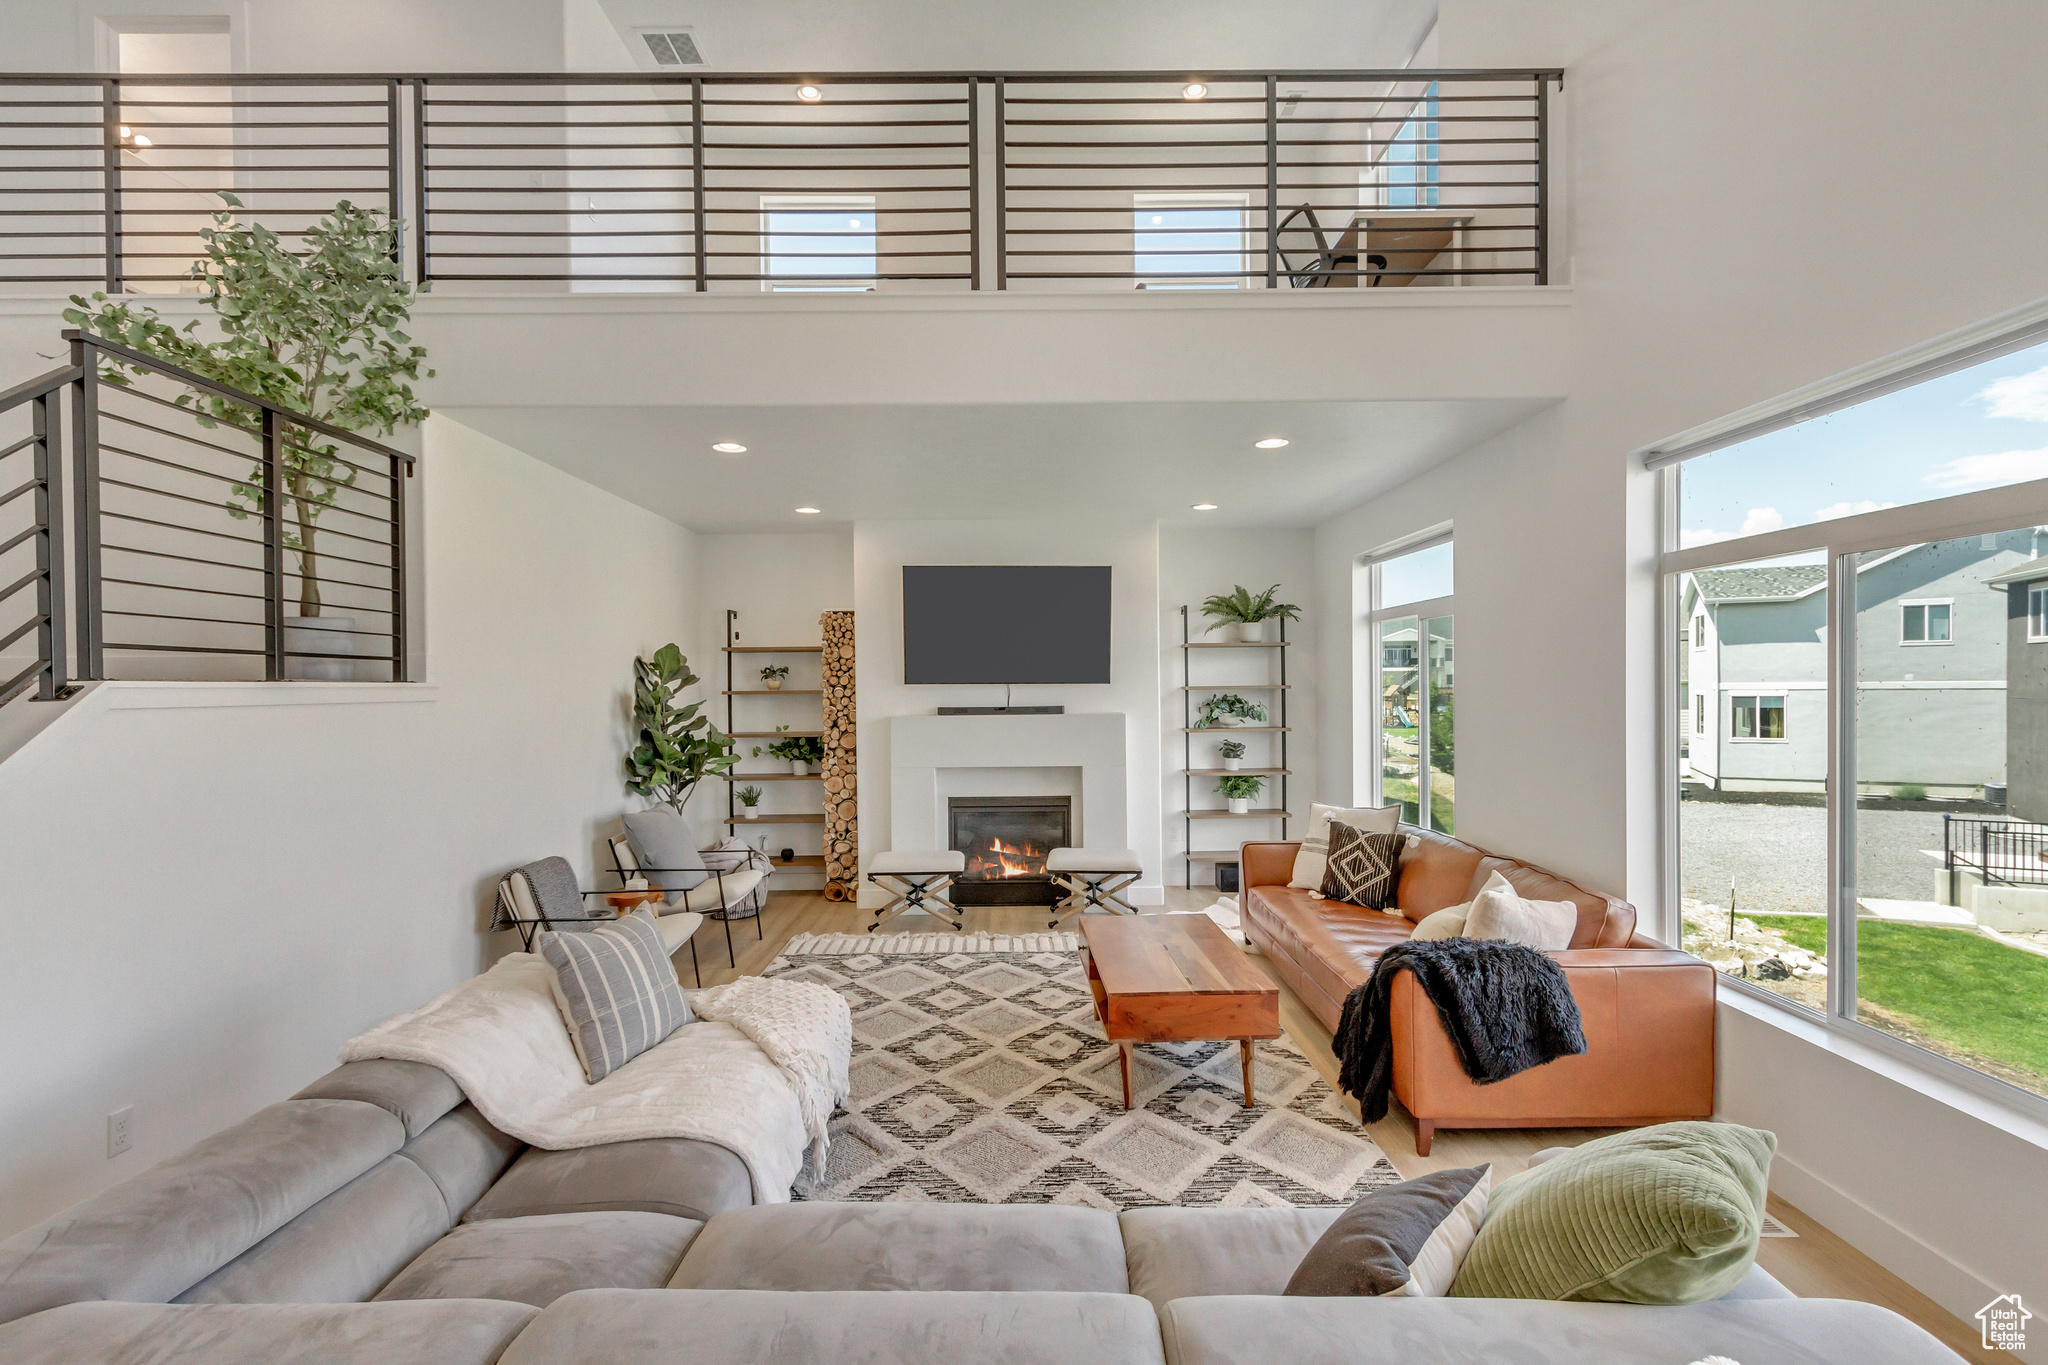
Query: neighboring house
x: 2026, y: 687
x: 1931, y: 671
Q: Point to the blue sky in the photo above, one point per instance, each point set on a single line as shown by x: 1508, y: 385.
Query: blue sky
x: 1983, y: 427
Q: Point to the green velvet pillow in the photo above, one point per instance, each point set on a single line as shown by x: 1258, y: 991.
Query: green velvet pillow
x: 1668, y: 1214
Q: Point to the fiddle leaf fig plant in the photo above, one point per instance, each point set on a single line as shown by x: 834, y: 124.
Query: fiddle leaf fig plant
x: 675, y: 748
x: 320, y: 330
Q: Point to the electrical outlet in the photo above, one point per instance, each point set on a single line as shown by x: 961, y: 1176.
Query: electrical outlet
x: 120, y: 1131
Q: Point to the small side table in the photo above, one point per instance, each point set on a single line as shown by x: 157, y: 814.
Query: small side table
x: 625, y: 902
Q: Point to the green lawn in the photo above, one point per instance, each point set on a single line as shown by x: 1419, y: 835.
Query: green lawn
x: 1958, y: 986
x: 1399, y: 792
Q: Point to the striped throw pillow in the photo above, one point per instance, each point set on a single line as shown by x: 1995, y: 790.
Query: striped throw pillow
x: 616, y: 989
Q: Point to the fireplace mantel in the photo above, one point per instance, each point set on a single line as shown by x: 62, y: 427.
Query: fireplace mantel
x: 923, y: 748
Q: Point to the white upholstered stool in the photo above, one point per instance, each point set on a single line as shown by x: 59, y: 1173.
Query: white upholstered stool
x: 917, y: 880
x: 1093, y: 877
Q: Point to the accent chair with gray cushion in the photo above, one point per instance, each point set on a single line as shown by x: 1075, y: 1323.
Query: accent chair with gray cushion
x: 543, y: 895
x: 714, y: 884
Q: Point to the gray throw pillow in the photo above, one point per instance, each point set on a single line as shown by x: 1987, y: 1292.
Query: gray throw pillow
x: 1363, y: 869
x: 616, y: 989
x: 1406, y: 1240
x: 667, y: 850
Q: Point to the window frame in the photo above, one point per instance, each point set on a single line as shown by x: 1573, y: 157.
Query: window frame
x: 1368, y: 742
x: 2037, y: 613
x: 1756, y: 700
x: 1906, y: 604
x: 772, y: 204
x: 1143, y: 201
x: 1841, y: 541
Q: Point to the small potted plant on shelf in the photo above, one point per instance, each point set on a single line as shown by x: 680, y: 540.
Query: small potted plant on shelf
x: 1242, y: 789
x: 1228, y: 708
x: 1231, y: 751
x: 1248, y: 613
x: 772, y: 676
x: 799, y: 751
x: 750, y: 802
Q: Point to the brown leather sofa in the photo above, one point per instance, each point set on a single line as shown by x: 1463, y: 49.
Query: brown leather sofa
x: 1648, y: 1012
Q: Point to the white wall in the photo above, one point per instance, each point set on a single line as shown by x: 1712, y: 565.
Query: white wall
x: 780, y: 585
x: 1194, y: 565
x: 206, y: 888
x: 882, y: 548
x: 1745, y: 185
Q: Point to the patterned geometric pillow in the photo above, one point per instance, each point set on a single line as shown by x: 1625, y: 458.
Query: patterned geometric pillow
x: 616, y: 989
x: 1364, y: 869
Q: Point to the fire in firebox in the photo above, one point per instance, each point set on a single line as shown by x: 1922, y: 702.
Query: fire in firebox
x: 997, y: 858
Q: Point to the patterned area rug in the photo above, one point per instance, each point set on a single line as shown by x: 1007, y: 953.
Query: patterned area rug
x: 980, y: 1075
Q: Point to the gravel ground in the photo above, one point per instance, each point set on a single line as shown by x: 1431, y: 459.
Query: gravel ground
x: 1778, y: 855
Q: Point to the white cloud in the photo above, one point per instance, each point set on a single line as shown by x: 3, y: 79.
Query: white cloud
x: 2024, y: 396
x: 1850, y: 509
x: 1758, y: 521
x: 1989, y: 471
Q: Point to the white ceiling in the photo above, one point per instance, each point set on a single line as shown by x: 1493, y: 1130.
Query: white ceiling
x: 1144, y: 461
x: 940, y: 35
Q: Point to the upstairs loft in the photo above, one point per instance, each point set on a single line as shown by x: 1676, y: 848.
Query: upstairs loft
x: 749, y: 184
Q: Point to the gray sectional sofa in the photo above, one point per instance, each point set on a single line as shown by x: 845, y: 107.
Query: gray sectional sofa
x: 376, y: 1218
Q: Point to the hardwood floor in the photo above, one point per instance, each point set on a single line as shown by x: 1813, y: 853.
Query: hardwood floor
x: 1816, y: 1264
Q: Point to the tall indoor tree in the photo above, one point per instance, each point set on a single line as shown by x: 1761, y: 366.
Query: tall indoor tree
x: 674, y: 748
x: 319, y: 330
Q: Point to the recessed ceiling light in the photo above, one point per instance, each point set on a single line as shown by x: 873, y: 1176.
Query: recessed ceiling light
x: 809, y: 94
x: 1205, y: 507
x: 1194, y: 91
x: 728, y: 447
x: 1271, y: 443
x: 808, y: 511
x: 142, y: 140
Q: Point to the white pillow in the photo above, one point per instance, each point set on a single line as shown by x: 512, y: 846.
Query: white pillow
x: 1498, y: 913
x: 1448, y: 922
x: 1315, y: 840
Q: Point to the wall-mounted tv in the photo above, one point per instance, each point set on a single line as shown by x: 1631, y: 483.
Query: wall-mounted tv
x: 1005, y: 623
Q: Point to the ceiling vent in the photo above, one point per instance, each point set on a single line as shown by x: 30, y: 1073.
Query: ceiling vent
x: 673, y: 49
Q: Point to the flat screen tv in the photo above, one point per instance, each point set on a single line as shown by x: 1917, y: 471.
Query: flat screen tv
x: 1005, y: 623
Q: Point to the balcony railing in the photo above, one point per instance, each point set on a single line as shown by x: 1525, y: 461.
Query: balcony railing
x: 209, y: 534
x: 903, y: 182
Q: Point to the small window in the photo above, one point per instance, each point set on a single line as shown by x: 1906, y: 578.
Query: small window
x: 1699, y: 714
x: 1926, y: 623
x: 1699, y: 631
x: 2037, y: 613
x: 1756, y: 718
x: 818, y: 243
x: 1189, y: 242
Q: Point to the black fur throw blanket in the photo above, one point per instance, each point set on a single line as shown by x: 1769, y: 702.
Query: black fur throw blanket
x: 1507, y: 1008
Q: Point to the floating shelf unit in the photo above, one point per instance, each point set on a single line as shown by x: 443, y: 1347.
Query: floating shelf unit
x: 735, y: 780
x: 1189, y: 689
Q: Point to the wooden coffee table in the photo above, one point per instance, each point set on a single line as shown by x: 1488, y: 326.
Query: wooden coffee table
x: 1175, y: 978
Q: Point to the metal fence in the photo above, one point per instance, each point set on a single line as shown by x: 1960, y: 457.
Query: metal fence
x: 750, y: 182
x: 212, y: 535
x: 2012, y: 852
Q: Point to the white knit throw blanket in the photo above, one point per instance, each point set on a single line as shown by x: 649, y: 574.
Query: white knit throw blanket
x: 759, y: 1074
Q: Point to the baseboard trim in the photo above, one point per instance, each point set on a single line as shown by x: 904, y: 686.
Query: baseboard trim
x: 1955, y: 1287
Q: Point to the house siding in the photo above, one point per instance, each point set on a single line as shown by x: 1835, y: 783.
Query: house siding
x: 2026, y: 712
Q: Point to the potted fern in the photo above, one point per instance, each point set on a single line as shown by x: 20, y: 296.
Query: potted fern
x: 1231, y: 752
x: 750, y: 802
x: 772, y: 676
x: 1241, y: 789
x: 1248, y: 613
x: 1228, y: 708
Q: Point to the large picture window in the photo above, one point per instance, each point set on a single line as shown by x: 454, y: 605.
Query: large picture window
x: 1864, y: 834
x: 818, y: 243
x: 1410, y: 704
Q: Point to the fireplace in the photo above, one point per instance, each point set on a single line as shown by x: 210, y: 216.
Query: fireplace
x: 1006, y: 839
